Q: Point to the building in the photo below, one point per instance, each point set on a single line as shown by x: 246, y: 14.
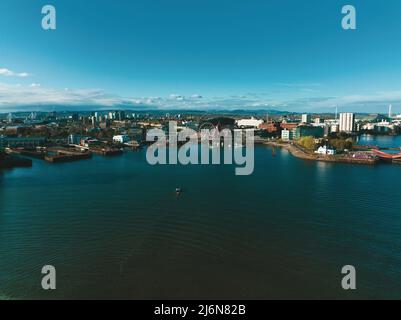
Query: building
x: 121, y: 139
x: 249, y: 123
x: 324, y: 126
x: 13, y: 130
x: 271, y: 127
x: 137, y: 134
x: 383, y: 127
x: 286, y: 135
x: 76, y: 139
x: 120, y: 115
x: 288, y: 125
x: 326, y: 151
x: 306, y: 118
x: 308, y: 131
x: 93, y: 120
x: 22, y: 142
x: 369, y: 126
x: 347, y: 122
x: 334, y: 128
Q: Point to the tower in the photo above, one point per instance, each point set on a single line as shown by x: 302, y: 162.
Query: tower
x: 32, y: 116
x: 347, y: 122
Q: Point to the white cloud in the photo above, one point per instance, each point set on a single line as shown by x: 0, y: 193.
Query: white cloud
x: 36, y: 97
x: 34, y: 94
x: 8, y: 73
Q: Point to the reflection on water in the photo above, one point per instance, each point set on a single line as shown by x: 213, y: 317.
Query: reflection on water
x: 380, y: 141
x: 322, y: 167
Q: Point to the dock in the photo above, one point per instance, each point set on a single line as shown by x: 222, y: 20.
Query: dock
x: 60, y: 155
x: 107, y: 151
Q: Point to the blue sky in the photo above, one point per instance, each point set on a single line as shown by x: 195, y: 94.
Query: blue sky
x: 279, y: 54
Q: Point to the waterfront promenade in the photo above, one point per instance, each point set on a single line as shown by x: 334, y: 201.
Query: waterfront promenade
x: 299, y: 152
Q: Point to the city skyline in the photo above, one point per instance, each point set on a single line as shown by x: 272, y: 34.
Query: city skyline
x: 277, y: 55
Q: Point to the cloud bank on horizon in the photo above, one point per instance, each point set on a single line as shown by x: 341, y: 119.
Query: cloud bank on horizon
x: 18, y: 97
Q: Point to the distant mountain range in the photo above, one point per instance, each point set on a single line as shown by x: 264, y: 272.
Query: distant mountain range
x: 84, y: 110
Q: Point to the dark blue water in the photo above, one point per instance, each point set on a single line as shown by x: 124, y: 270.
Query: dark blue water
x: 380, y: 141
x: 114, y: 228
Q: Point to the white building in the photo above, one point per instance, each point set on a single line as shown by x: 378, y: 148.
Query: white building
x: 121, y: 139
x: 369, y: 126
x: 347, y: 122
x: 286, y: 135
x: 326, y: 151
x: 249, y: 123
x: 334, y: 128
x: 306, y: 118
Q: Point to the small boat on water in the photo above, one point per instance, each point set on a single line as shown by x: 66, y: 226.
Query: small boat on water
x: 178, y: 190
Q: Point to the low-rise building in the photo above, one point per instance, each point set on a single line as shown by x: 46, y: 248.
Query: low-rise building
x: 325, y: 150
x: 22, y: 141
x: 271, y: 127
x: 121, y: 139
x: 249, y: 123
x: 289, y: 125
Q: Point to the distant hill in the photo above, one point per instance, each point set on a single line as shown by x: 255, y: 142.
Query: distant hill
x: 145, y: 110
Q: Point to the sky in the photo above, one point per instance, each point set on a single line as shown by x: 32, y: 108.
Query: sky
x: 288, y: 55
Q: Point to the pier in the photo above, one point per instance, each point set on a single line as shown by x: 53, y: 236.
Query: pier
x: 59, y: 155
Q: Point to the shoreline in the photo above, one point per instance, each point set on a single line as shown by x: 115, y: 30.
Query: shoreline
x: 11, y: 161
x: 299, y: 153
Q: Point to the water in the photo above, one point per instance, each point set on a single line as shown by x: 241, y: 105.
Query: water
x: 114, y: 228
x: 381, y: 141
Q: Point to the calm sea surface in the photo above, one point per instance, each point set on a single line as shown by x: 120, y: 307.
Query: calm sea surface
x: 114, y: 228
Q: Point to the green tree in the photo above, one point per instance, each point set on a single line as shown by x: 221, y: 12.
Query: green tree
x: 341, y: 144
x: 307, y: 142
